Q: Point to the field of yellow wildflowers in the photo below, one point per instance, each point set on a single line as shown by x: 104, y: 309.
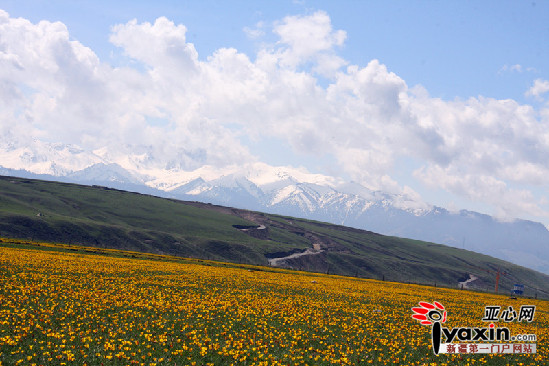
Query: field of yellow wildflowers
x: 65, y: 308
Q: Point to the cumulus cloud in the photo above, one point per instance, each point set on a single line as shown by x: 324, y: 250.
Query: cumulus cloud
x: 161, y: 45
x: 310, y: 39
x: 540, y: 87
x: 50, y: 80
x: 59, y: 91
x: 55, y: 89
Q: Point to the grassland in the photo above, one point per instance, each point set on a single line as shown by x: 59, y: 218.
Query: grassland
x: 104, y: 217
x: 66, y: 305
x: 108, y: 218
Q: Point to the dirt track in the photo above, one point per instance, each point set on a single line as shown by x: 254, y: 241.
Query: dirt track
x: 275, y: 262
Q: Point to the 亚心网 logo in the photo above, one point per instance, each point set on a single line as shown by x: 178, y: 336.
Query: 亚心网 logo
x: 431, y: 314
x: 434, y: 315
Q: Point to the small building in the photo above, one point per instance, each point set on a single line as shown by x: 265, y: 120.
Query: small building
x: 518, y: 289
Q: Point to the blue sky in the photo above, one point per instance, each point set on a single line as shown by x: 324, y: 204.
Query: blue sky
x: 450, y: 98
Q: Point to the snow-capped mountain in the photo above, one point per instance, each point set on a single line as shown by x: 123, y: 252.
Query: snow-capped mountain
x: 289, y: 191
x: 46, y: 158
x: 522, y: 242
x: 102, y: 172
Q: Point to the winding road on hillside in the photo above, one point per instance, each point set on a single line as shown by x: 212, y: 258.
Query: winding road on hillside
x: 275, y: 262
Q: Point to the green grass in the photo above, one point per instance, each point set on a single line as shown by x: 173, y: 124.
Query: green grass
x: 108, y: 218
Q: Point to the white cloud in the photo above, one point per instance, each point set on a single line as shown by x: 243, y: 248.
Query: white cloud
x: 511, y: 68
x: 483, y: 188
x: 56, y: 89
x: 540, y: 87
x: 60, y: 92
x: 256, y: 32
x: 159, y: 45
x: 310, y: 39
x: 51, y: 80
x: 516, y: 68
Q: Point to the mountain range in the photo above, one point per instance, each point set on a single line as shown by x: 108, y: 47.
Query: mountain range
x: 287, y: 191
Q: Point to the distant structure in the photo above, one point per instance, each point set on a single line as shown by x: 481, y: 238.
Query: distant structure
x: 518, y: 289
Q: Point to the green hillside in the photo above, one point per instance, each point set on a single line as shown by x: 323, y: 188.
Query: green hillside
x: 108, y: 218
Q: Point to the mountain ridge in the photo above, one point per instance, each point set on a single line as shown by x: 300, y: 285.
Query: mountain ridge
x: 110, y: 218
x: 290, y: 191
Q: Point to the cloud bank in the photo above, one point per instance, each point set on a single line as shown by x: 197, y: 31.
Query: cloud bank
x: 168, y: 109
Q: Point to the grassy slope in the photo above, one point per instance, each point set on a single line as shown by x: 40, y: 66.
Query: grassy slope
x: 109, y: 218
x: 407, y: 260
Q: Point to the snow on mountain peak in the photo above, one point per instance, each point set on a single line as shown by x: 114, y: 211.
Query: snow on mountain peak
x: 284, y: 190
x: 272, y: 185
x: 47, y: 158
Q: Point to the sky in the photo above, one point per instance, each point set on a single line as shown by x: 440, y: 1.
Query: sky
x: 447, y: 102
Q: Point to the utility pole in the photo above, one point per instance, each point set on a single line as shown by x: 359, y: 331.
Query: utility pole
x: 497, y: 280
x: 498, y: 275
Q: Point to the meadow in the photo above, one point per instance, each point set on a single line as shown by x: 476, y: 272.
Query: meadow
x: 102, y: 217
x: 63, y: 306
